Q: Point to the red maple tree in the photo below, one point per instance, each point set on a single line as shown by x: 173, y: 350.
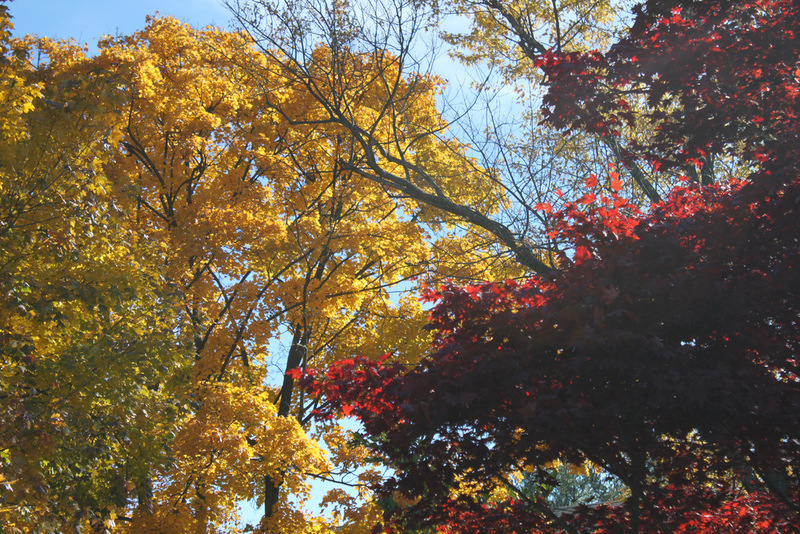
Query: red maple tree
x: 665, y: 350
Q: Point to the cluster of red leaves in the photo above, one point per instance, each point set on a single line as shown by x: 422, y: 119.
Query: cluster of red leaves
x: 359, y: 379
x: 594, y: 219
x: 667, y: 356
x: 715, y: 73
x: 665, y: 350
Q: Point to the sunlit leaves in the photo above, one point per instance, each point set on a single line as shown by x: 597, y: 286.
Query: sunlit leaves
x: 92, y: 368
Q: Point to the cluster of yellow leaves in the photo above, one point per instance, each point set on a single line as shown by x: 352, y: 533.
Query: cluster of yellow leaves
x: 91, y: 370
x: 351, y: 511
x: 16, y: 95
x: 223, y: 451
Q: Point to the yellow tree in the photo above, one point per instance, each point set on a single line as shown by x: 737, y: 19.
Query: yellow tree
x: 271, y: 230
x: 172, y: 207
x: 92, y: 375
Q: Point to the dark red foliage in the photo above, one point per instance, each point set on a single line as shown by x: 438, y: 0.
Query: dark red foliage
x: 666, y: 355
x: 664, y: 351
x: 717, y: 75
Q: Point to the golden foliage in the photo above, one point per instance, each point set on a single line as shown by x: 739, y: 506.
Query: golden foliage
x: 164, y: 222
x: 91, y: 368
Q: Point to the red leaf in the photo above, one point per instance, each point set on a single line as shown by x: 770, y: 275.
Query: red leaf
x: 616, y: 183
x: 295, y: 373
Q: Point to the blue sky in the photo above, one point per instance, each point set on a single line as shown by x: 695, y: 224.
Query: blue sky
x: 88, y: 20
